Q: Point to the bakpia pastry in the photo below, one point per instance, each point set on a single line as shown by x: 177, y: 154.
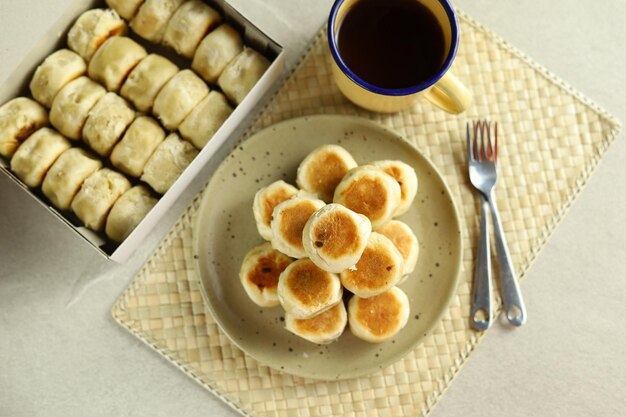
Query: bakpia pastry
x: 152, y: 17
x: 114, y: 60
x: 205, y: 119
x: 67, y: 174
x: 190, y: 22
x: 96, y: 197
x: 54, y: 73
x: 137, y: 145
x: 259, y: 274
x: 167, y: 162
x: 178, y: 98
x: 335, y: 237
x: 405, y: 240
x: 265, y: 200
x: 371, y: 192
x: 125, y: 8
x: 146, y: 80
x: 323, y: 328
x: 405, y: 175
x: 288, y: 221
x: 19, y: 118
x: 128, y: 211
x: 36, y: 155
x: 323, y: 169
x: 379, y: 318
x: 106, y: 123
x: 242, y: 73
x: 378, y: 269
x: 72, y: 104
x: 92, y: 29
x: 305, y: 290
x: 215, y: 51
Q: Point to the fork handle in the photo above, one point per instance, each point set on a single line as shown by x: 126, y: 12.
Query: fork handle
x: 481, y: 316
x: 514, y: 307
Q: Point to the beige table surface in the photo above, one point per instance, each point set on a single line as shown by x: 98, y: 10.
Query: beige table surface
x: 61, y: 354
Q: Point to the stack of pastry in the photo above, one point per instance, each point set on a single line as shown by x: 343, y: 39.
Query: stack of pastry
x: 336, y: 235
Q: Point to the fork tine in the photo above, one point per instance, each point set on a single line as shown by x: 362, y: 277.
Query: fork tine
x: 470, y: 154
x: 475, y: 141
x: 495, y: 146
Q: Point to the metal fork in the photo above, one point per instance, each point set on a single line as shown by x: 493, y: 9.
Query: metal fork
x: 483, y: 175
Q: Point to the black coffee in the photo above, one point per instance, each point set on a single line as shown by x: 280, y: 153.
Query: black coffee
x: 391, y: 43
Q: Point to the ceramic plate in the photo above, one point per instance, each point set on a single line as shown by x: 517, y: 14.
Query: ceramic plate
x: 225, y: 231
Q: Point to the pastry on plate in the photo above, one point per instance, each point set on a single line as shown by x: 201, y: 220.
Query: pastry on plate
x: 167, y: 162
x: 137, y: 145
x: 146, y: 80
x: 405, y: 175
x: 178, y: 97
x: 36, y: 155
x: 97, y: 195
x: 114, y: 60
x: 125, y: 8
x: 92, y: 29
x: 58, y: 69
x: 378, y: 269
x: 242, y: 73
x: 19, y: 118
x: 67, y: 174
x: 405, y: 240
x: 259, y: 274
x: 334, y: 237
x: 152, y: 17
x: 190, y: 22
x: 288, y: 220
x: 323, y: 169
x: 324, y: 328
x: 304, y: 290
x: 205, y: 119
x: 72, y: 104
x: 379, y: 318
x: 371, y: 192
x: 215, y: 51
x: 106, y: 123
x: 128, y: 211
x: 265, y: 200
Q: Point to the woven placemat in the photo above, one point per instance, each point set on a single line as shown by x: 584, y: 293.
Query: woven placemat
x: 551, y: 139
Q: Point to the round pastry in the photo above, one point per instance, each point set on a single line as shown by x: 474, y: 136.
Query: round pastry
x: 125, y: 8
x: 137, y: 145
x: 215, y: 51
x: 404, y: 239
x: 203, y: 121
x: 266, y: 200
x: 54, y: 73
x: 146, y: 80
x: 379, y: 318
x: 288, y: 220
x: 404, y: 174
x: 114, y: 60
x: 36, y: 155
x: 67, y: 174
x: 190, y: 22
x: 323, y: 328
x: 369, y: 191
x: 378, y: 269
x: 259, y: 274
x: 304, y: 290
x: 97, y: 195
x: 128, y: 211
x: 323, y: 169
x: 334, y: 237
x: 92, y: 29
x: 72, y: 104
x: 178, y: 97
x: 152, y: 17
x: 106, y: 122
x: 19, y: 118
x: 167, y: 162
x: 241, y: 74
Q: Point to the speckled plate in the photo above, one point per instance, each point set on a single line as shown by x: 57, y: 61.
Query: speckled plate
x: 225, y: 231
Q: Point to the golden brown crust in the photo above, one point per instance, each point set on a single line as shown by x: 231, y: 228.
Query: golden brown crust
x: 380, y: 314
x: 310, y: 285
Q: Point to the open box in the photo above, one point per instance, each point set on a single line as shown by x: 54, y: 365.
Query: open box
x: 17, y: 85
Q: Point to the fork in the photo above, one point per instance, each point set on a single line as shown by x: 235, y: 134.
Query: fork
x: 482, y: 165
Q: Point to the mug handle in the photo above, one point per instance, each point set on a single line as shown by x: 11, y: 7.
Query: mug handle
x: 450, y: 94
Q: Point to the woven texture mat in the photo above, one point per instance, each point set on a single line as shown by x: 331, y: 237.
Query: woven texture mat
x: 551, y: 140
